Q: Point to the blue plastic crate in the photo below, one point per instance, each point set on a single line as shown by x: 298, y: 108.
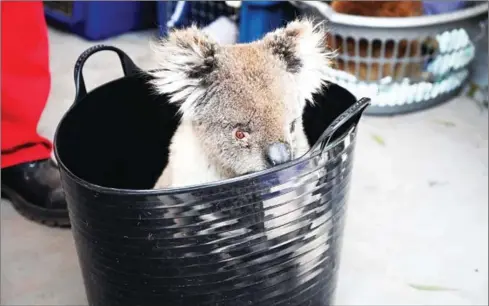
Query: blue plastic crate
x: 260, y: 17
x: 178, y: 14
x: 97, y: 20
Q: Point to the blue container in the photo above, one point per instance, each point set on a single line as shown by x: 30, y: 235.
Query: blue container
x: 167, y: 13
x: 260, y: 17
x: 97, y: 20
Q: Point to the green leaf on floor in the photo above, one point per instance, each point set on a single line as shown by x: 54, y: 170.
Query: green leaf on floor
x: 436, y: 183
x: 430, y: 288
x: 378, y: 139
x: 445, y: 123
x: 478, y: 94
x: 473, y: 88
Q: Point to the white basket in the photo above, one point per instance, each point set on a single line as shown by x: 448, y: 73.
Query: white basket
x: 387, y: 58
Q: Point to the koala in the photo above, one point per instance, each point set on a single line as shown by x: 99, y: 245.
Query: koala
x: 242, y: 104
x: 241, y: 109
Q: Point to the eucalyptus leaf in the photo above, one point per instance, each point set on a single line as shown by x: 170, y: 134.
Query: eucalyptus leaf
x: 430, y: 287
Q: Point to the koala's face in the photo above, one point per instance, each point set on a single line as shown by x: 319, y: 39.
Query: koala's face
x: 244, y: 101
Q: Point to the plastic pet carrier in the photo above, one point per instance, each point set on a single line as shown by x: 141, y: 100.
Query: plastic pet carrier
x: 112, y: 145
x: 407, y: 63
x: 254, y: 18
x: 97, y: 20
x: 181, y: 14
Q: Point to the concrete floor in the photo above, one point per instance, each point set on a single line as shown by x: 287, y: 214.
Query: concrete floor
x: 417, y: 227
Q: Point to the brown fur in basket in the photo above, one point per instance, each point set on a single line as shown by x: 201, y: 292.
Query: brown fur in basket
x: 379, y: 8
x: 347, y: 46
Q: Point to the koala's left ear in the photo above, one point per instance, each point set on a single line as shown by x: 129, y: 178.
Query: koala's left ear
x: 186, y: 61
x: 302, y: 48
x: 301, y: 45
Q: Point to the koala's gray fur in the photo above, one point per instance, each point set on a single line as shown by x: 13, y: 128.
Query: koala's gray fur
x: 260, y: 88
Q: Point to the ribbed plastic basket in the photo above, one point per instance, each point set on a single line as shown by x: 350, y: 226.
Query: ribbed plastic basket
x: 273, y: 238
x: 404, y: 64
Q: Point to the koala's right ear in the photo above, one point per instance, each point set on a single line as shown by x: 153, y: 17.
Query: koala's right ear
x: 186, y: 60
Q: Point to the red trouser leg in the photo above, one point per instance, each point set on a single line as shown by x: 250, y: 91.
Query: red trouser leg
x: 26, y: 81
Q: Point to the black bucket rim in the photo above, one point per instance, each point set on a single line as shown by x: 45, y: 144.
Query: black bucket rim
x: 177, y: 190
x: 81, y: 94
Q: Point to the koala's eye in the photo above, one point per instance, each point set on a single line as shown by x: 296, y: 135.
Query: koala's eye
x: 239, y: 134
x: 292, y: 127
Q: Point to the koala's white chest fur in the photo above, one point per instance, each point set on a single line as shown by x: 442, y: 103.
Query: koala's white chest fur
x: 187, y: 162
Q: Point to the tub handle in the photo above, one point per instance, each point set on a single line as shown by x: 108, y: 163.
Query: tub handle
x: 355, y: 109
x: 128, y: 67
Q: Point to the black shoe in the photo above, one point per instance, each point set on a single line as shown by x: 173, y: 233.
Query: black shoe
x: 35, y: 192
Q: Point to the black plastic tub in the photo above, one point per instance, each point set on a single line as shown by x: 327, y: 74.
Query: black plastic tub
x: 112, y: 146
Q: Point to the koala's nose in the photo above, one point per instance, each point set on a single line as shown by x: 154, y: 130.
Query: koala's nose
x: 278, y: 153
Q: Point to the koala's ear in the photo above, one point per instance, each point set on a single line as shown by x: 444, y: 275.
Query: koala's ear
x: 301, y: 46
x: 186, y: 60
